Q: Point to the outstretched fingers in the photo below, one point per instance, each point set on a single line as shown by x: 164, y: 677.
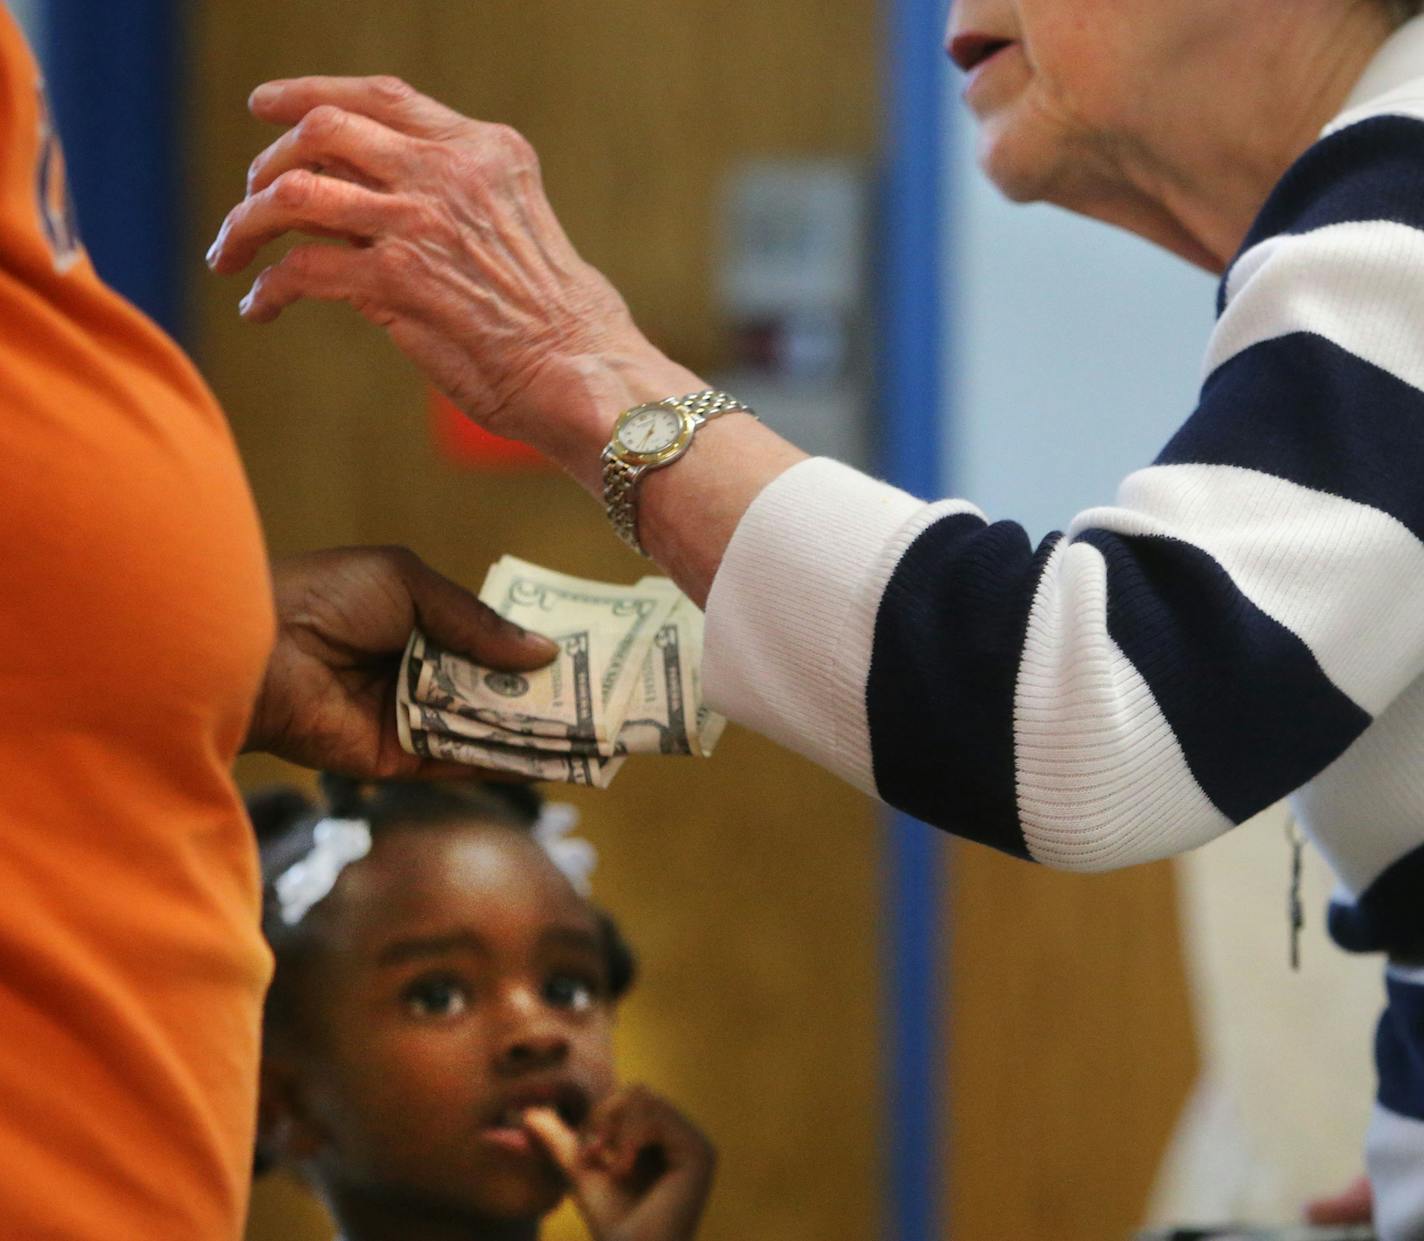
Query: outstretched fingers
x: 331, y: 140
x: 324, y: 273
x: 303, y: 202
x: 385, y: 99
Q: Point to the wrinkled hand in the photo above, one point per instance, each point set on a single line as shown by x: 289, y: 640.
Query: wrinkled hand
x: 343, y: 619
x: 639, y: 1170
x: 453, y: 247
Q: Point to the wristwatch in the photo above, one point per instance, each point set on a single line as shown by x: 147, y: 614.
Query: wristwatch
x: 648, y: 437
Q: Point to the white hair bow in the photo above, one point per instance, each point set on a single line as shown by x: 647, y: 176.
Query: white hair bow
x: 576, y: 858
x: 336, y: 843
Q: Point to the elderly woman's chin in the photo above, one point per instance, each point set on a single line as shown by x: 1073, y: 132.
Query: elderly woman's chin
x: 1023, y: 166
x: 1031, y: 155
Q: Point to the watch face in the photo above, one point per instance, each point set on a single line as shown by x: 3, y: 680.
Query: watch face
x: 651, y: 429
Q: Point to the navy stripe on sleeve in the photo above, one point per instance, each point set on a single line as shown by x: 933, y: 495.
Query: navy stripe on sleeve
x: 1318, y: 416
x: 1367, y: 171
x: 940, y: 695
x: 1399, y: 1050
x: 1254, y: 713
x: 1389, y: 914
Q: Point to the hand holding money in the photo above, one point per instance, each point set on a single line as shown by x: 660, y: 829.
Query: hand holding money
x: 628, y: 680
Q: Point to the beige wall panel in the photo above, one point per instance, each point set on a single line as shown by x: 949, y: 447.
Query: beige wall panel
x: 1071, y: 1046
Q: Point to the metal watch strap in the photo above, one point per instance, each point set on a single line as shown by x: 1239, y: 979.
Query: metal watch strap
x: 707, y: 404
x: 620, y: 478
x: 619, y: 481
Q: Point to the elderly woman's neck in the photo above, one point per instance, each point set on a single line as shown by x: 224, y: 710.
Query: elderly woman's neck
x: 1200, y: 181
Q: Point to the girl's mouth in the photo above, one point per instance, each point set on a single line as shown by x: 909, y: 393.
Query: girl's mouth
x: 572, y: 1106
x: 506, y: 1128
x: 513, y: 1139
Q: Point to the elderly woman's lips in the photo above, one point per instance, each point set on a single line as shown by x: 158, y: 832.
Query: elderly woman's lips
x: 969, y: 50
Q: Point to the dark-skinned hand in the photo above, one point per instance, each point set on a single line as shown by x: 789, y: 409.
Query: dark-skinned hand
x: 343, y: 619
x: 638, y: 1169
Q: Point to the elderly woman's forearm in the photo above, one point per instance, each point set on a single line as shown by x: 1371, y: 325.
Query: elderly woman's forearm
x: 690, y: 511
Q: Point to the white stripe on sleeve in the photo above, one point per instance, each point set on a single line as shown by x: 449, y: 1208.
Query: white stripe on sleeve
x: 1313, y: 562
x: 1378, y: 782
x: 1102, y: 780
x: 1360, y: 285
x: 1394, y: 1154
x: 789, y: 633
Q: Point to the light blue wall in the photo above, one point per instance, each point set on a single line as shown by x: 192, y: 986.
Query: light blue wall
x: 1073, y: 349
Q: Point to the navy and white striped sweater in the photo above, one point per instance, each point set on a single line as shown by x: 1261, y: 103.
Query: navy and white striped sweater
x: 1244, y: 624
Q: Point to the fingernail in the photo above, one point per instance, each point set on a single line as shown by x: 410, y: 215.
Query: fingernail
x: 528, y: 635
x: 213, y: 250
x: 245, y: 305
x: 263, y: 94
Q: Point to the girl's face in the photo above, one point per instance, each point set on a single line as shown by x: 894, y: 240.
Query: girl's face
x: 457, y: 980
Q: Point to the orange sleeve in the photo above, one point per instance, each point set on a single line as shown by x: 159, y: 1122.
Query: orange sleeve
x: 135, y: 623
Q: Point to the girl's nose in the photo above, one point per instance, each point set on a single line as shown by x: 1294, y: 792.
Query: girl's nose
x: 530, y: 1037
x: 532, y: 1048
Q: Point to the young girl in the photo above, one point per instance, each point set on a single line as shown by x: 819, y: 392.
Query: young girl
x: 438, y: 1057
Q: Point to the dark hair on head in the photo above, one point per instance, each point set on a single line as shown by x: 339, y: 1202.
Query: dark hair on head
x: 285, y: 820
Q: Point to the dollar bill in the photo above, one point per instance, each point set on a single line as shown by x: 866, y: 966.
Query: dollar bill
x: 627, y: 680
x: 621, y: 621
x: 588, y: 770
x: 557, y: 701
x: 665, y: 715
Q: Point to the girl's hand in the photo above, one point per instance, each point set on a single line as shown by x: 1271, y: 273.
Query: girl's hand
x: 639, y: 1170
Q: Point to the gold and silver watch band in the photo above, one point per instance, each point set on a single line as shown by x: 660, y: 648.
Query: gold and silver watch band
x: 619, y: 500
x: 707, y: 404
x: 622, y: 467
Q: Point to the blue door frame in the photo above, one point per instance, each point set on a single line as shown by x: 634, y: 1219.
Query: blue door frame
x: 114, y: 73
x: 912, y: 420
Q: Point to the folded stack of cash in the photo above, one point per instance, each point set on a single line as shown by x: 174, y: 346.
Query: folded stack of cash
x: 628, y: 680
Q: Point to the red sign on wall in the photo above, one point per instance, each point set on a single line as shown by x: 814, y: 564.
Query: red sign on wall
x: 472, y: 447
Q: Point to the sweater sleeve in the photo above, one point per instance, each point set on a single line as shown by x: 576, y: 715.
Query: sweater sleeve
x: 1170, y: 664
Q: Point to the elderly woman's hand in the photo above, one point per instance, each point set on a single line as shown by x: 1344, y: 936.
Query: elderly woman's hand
x: 453, y: 248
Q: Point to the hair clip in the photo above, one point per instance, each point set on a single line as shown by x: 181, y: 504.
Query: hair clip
x: 575, y: 857
x: 336, y: 843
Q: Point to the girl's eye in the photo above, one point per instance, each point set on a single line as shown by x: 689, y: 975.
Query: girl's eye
x: 570, y: 991
x: 436, y: 997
